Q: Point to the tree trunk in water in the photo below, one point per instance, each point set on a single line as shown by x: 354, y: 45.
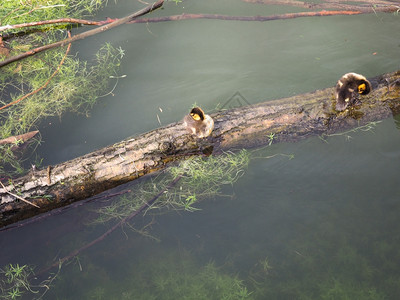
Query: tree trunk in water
x: 289, y: 119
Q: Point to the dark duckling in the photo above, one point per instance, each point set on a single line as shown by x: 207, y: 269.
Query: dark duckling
x: 348, y: 88
x: 198, y: 123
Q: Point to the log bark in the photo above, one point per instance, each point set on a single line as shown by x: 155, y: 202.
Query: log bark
x: 290, y: 119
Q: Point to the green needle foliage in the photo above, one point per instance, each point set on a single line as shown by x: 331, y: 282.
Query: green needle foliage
x: 167, y: 275
x: 75, y: 87
x: 24, y: 11
x: 181, y: 278
x: 16, y: 281
x: 200, y: 178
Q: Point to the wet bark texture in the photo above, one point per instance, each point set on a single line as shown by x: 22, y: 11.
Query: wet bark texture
x: 290, y: 119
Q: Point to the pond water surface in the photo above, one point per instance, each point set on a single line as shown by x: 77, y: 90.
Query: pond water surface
x: 318, y: 220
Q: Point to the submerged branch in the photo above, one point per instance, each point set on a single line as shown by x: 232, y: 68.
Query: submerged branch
x: 84, y: 34
x: 146, y: 205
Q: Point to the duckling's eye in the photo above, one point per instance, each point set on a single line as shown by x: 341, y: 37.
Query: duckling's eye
x: 361, y: 88
x: 195, y: 116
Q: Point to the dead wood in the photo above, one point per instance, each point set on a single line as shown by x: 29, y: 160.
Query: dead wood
x: 289, y: 119
x: 84, y: 34
x: 22, y: 138
x: 363, y: 6
x: 245, y: 18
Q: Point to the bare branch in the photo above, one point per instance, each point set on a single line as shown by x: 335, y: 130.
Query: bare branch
x: 18, y: 197
x: 369, y: 6
x: 85, y: 34
x: 22, y: 137
x: 245, y: 18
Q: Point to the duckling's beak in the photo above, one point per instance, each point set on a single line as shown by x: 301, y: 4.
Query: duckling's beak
x: 195, y: 117
x: 361, y: 88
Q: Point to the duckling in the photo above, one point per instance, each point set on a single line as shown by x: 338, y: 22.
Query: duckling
x: 348, y: 87
x: 198, y: 123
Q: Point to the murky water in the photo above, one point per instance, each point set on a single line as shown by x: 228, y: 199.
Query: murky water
x: 322, y: 225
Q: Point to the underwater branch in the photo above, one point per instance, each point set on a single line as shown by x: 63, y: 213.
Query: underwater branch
x: 146, y: 205
x: 285, y: 120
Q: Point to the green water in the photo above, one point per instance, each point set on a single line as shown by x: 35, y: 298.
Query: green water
x: 322, y: 225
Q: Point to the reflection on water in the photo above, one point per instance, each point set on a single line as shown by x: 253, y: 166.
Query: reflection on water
x: 322, y: 225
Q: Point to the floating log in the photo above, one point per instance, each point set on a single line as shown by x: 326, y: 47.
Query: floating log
x: 289, y: 119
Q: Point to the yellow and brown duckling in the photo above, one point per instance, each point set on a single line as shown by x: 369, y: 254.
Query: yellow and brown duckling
x: 348, y: 88
x: 198, y: 123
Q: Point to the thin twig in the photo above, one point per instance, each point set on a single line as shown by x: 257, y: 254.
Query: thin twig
x: 38, y: 8
x: 46, y: 83
x: 83, y: 35
x: 60, y: 210
x: 55, y: 21
x: 18, y: 197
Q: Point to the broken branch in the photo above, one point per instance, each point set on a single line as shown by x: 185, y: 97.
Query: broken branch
x: 18, y: 197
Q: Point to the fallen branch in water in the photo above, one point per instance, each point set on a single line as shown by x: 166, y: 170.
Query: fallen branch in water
x: 246, y: 18
x: 19, y: 138
x: 84, y: 34
x: 62, y: 209
x: 372, y: 5
x: 288, y: 119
